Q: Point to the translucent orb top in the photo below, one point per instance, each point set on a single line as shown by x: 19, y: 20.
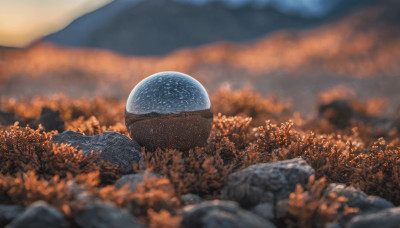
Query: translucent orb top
x: 166, y: 93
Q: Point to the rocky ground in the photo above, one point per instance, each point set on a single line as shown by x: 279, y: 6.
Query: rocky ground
x: 77, y: 167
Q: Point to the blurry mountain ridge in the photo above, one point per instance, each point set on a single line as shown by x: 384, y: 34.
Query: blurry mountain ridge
x: 155, y: 27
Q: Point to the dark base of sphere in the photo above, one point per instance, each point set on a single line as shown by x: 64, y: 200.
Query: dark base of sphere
x: 182, y: 131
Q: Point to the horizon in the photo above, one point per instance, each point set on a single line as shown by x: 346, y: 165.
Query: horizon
x: 24, y: 21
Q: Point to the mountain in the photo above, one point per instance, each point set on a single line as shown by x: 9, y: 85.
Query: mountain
x: 155, y: 27
x: 78, y: 31
x: 310, y: 8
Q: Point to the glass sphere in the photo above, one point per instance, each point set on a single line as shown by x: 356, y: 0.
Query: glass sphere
x: 169, y: 110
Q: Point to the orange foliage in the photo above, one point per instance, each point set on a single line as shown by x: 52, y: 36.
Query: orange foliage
x: 311, y: 207
x: 33, y: 168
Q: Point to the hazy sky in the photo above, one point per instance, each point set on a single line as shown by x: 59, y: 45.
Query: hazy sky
x: 302, y: 7
x: 22, y: 21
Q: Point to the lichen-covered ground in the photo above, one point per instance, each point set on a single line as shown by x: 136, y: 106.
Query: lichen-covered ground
x: 348, y: 141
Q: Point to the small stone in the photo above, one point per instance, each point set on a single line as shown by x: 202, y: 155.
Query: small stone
x: 267, y: 182
x: 50, y: 120
x: 133, y: 180
x: 221, y: 214
x: 388, y: 218
x: 39, y: 214
x: 116, y: 148
x: 169, y: 110
x: 338, y: 113
x: 102, y: 215
x: 9, y: 212
x: 7, y: 118
x: 190, y: 199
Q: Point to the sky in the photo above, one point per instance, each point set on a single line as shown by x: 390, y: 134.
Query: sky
x: 22, y: 21
x: 302, y: 7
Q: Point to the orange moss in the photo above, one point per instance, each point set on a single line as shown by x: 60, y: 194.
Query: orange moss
x: 249, y: 103
x: 354, y: 156
x: 154, y: 195
x: 23, y: 149
x: 26, y: 188
x: 311, y: 207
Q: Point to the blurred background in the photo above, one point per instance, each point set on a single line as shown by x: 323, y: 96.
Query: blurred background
x: 295, y: 49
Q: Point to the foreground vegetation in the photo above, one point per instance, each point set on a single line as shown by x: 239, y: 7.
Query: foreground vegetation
x: 349, y: 142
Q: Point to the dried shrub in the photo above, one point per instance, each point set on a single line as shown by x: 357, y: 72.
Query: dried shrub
x: 163, y: 219
x: 92, y: 126
x: 203, y: 170
x: 197, y: 172
x: 257, y: 131
x: 312, y: 207
x: 23, y: 149
x: 26, y: 188
x: 153, y: 194
x: 377, y: 171
x: 108, y: 112
x: 251, y: 104
x: 228, y: 135
x: 340, y: 92
x: 271, y: 137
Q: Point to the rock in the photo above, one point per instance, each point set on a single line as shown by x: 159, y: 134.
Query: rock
x: 375, y: 204
x: 169, y: 110
x: 9, y: 212
x: 7, y: 118
x: 102, y: 215
x: 388, y: 218
x: 116, y: 148
x: 272, y: 212
x: 50, y: 120
x: 264, y: 210
x: 39, y: 214
x: 266, y: 183
x: 338, y: 113
x: 218, y: 214
x: 190, y: 199
x: 133, y: 180
x: 358, y: 199
x: 281, y: 208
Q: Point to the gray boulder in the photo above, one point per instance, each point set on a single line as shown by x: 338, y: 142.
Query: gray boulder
x: 9, y: 213
x: 39, y: 214
x: 133, y: 180
x: 102, y: 215
x: 388, y: 218
x: 266, y: 183
x: 116, y: 148
x: 264, y: 210
x: 358, y: 199
x: 269, y: 211
x: 221, y: 214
